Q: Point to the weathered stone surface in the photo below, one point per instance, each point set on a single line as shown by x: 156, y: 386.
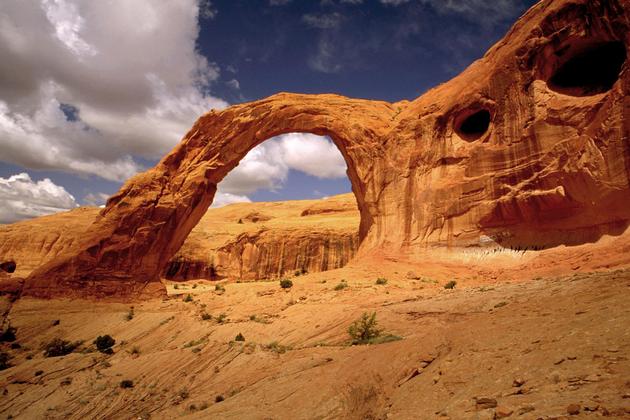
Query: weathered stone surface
x: 529, y: 147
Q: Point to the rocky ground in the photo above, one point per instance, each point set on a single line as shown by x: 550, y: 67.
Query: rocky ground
x: 547, y: 347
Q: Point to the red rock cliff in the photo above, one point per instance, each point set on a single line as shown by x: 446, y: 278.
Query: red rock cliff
x: 529, y: 147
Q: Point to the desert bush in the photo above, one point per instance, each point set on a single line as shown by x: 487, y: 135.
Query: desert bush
x: 276, y: 347
x: 364, y: 329
x: 130, y: 314
x: 219, y: 398
x: 219, y: 288
x: 206, y: 316
x: 176, y: 287
x: 342, y: 285
x: 239, y: 337
x: 222, y: 318
x: 183, y: 394
x: 450, y: 285
x: 4, y: 361
x: 39, y: 373
x: 126, y: 383
x: 286, y: 284
x: 381, y: 281
x: 135, y: 350
x: 104, y: 343
x: 55, y: 322
x: 58, y: 347
x: 188, y: 298
x: 8, y: 335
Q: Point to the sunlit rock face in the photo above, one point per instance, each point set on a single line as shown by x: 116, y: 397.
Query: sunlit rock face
x: 528, y: 148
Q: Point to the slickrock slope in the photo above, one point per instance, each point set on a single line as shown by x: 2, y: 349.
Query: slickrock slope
x: 480, y: 351
x: 247, y: 241
x: 528, y: 148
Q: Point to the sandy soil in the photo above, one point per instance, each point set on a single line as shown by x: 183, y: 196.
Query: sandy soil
x: 536, y: 346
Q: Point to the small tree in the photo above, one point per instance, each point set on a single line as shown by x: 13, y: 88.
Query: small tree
x: 450, y: 285
x: 364, y: 329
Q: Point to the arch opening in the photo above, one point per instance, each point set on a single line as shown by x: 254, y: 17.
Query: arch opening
x: 285, y: 209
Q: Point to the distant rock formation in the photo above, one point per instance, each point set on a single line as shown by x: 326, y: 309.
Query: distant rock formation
x: 219, y: 246
x: 529, y: 147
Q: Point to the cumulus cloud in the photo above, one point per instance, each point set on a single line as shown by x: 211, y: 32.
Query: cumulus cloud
x: 22, y: 198
x: 130, y: 69
x: 96, y: 199
x: 223, y: 199
x: 267, y: 165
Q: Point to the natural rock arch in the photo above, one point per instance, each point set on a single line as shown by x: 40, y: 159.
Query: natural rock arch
x: 498, y: 156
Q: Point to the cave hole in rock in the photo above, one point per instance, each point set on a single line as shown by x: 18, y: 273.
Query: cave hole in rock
x: 285, y: 210
x: 8, y: 266
x: 471, y: 125
x: 590, y: 70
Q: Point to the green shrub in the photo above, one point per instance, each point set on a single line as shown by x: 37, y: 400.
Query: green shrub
x: 342, y: 285
x: 286, y: 284
x: 364, y: 329
x: 239, y: 337
x: 104, y: 343
x: 381, y: 281
x: 450, y: 285
x: 126, y: 383
x: 188, y: 298
x: 58, y: 347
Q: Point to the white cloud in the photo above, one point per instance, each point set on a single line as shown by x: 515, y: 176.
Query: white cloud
x: 22, y: 198
x: 223, y: 199
x: 96, y: 199
x: 267, y: 165
x: 313, y: 155
x: 130, y: 68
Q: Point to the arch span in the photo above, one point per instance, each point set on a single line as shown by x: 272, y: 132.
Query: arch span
x: 147, y: 221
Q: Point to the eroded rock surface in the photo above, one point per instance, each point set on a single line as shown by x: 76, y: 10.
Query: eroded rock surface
x: 528, y: 148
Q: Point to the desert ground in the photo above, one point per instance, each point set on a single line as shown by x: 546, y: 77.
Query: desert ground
x: 521, y: 334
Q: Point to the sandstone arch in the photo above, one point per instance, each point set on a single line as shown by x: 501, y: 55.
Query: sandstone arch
x: 540, y: 167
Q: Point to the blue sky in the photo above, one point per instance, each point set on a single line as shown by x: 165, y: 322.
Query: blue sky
x: 93, y: 92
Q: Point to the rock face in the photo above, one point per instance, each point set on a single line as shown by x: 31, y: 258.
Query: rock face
x: 247, y: 241
x: 529, y: 147
x: 252, y: 241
